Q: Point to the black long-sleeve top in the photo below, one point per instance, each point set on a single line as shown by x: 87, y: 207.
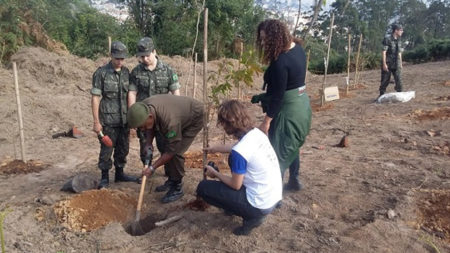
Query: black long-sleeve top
x: 285, y: 73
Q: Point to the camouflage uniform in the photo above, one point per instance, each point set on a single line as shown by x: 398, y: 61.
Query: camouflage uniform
x: 147, y: 83
x: 393, y: 48
x: 112, y: 86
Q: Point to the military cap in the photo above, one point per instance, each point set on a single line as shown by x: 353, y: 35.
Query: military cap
x: 396, y: 27
x: 137, y: 114
x: 118, y: 50
x: 145, y: 46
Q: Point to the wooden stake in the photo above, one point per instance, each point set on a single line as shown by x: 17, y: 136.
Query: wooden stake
x: 205, y: 86
x: 168, y: 220
x: 307, y: 62
x: 348, y: 64
x: 195, y: 77
x: 241, y: 49
x: 327, y: 61
x: 109, y: 45
x: 19, y: 112
x: 357, y: 60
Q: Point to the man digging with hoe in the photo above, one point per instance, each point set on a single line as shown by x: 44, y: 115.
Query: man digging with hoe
x: 177, y: 120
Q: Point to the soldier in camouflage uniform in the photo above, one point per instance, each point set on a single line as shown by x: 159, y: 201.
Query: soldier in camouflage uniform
x: 392, y: 59
x: 109, y: 109
x: 177, y: 119
x: 150, y: 77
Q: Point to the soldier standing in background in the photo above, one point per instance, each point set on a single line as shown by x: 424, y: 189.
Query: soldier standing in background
x: 150, y: 77
x: 392, y: 59
x: 109, y: 110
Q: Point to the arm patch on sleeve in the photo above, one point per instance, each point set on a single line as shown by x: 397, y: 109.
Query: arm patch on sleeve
x: 171, y: 134
x: 175, y: 77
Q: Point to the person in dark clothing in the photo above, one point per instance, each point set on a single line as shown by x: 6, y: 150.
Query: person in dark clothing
x: 286, y: 104
x: 392, y: 59
x: 177, y: 120
x: 109, y: 110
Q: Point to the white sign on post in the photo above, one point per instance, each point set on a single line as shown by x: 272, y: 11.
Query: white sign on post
x: 331, y: 93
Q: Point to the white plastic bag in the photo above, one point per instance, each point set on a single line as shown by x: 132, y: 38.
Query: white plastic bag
x: 397, y: 97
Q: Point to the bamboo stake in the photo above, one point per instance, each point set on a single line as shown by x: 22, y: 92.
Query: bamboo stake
x: 195, y: 77
x: 19, y: 112
x: 357, y: 60
x: 205, y: 86
x: 109, y: 45
x: 348, y: 64
x: 326, y: 61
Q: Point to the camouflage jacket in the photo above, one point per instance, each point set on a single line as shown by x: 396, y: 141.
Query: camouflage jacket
x: 159, y: 81
x: 393, y: 48
x: 112, y: 86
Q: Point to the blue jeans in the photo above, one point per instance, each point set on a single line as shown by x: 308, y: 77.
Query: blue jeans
x: 220, y: 195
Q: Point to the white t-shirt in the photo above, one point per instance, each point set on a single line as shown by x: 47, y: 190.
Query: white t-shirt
x: 262, y: 178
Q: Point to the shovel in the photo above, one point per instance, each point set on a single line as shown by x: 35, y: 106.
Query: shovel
x: 136, y: 228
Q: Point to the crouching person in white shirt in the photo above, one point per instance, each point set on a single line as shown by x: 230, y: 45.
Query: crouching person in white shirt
x: 254, y: 187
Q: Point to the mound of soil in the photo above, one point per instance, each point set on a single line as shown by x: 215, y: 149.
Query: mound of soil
x: 94, y: 209
x: 441, y: 113
x: 194, y: 159
x: 21, y: 167
x: 434, y: 208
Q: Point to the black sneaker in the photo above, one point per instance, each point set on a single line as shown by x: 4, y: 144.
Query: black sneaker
x: 164, y: 187
x: 175, y: 192
x: 248, y: 226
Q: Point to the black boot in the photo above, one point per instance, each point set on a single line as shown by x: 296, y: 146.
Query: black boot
x: 164, y: 187
x: 175, y: 192
x: 104, y: 182
x: 294, y: 183
x: 248, y: 226
x: 122, y: 177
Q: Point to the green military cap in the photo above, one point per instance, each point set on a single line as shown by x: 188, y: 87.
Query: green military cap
x: 118, y: 50
x: 145, y: 46
x: 137, y: 114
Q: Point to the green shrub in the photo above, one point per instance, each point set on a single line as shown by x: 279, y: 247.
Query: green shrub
x: 434, y: 50
x: 337, y: 64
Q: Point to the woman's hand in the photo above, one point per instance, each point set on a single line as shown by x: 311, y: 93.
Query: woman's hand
x: 210, y: 171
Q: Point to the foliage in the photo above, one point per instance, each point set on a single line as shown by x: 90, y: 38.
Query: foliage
x: 227, y: 77
x: 438, y: 49
x: 81, y: 28
x: 172, y: 24
x: 11, y: 36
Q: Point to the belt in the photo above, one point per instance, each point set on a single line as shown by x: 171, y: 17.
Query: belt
x: 301, y: 90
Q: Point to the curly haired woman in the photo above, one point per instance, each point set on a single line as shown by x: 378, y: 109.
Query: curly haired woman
x: 254, y: 187
x: 286, y: 104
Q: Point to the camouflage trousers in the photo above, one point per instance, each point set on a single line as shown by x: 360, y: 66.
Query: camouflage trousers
x: 386, y: 77
x: 120, y: 140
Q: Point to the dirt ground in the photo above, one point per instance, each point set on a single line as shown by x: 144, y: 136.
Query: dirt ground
x: 387, y: 190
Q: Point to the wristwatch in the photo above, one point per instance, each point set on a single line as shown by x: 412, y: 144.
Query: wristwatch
x: 151, y: 168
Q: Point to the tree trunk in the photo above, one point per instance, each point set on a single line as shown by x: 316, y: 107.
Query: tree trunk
x: 317, y: 9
